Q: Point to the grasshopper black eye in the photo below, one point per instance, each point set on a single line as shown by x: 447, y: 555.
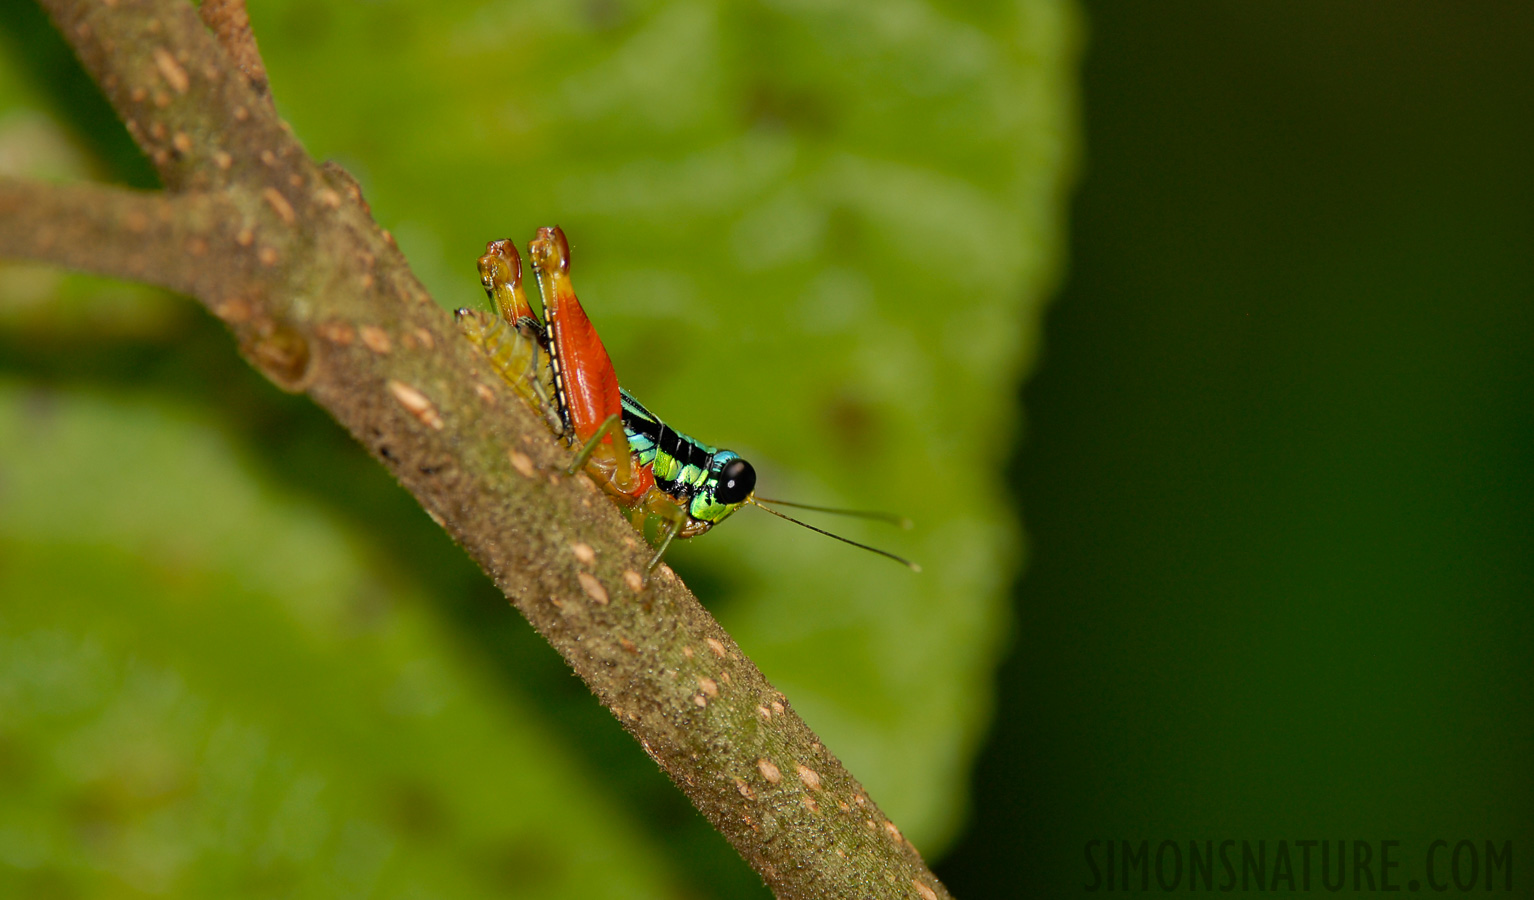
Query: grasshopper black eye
x: 736, y: 482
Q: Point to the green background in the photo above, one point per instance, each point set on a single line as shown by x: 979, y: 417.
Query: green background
x: 1278, y: 480
x: 1275, y: 474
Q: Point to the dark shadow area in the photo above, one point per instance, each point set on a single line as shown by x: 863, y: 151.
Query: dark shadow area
x: 1276, y: 475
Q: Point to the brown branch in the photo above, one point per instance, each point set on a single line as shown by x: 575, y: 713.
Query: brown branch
x: 285, y: 252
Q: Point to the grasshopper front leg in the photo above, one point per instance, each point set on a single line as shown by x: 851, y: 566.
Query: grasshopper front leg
x: 664, y: 508
x: 673, y: 526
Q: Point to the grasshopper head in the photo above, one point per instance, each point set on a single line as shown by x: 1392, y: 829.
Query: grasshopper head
x: 729, y: 485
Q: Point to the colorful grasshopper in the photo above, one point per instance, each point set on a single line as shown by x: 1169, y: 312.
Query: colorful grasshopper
x: 562, y: 370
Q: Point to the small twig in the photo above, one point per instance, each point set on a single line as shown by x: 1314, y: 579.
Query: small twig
x: 285, y: 252
x: 231, y: 25
x: 112, y: 231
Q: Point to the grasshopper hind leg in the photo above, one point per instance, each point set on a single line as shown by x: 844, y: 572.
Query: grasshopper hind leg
x: 518, y: 357
x: 514, y: 340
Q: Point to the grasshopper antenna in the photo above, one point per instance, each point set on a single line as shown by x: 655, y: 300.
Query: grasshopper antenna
x: 885, y: 553
x: 898, y: 521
